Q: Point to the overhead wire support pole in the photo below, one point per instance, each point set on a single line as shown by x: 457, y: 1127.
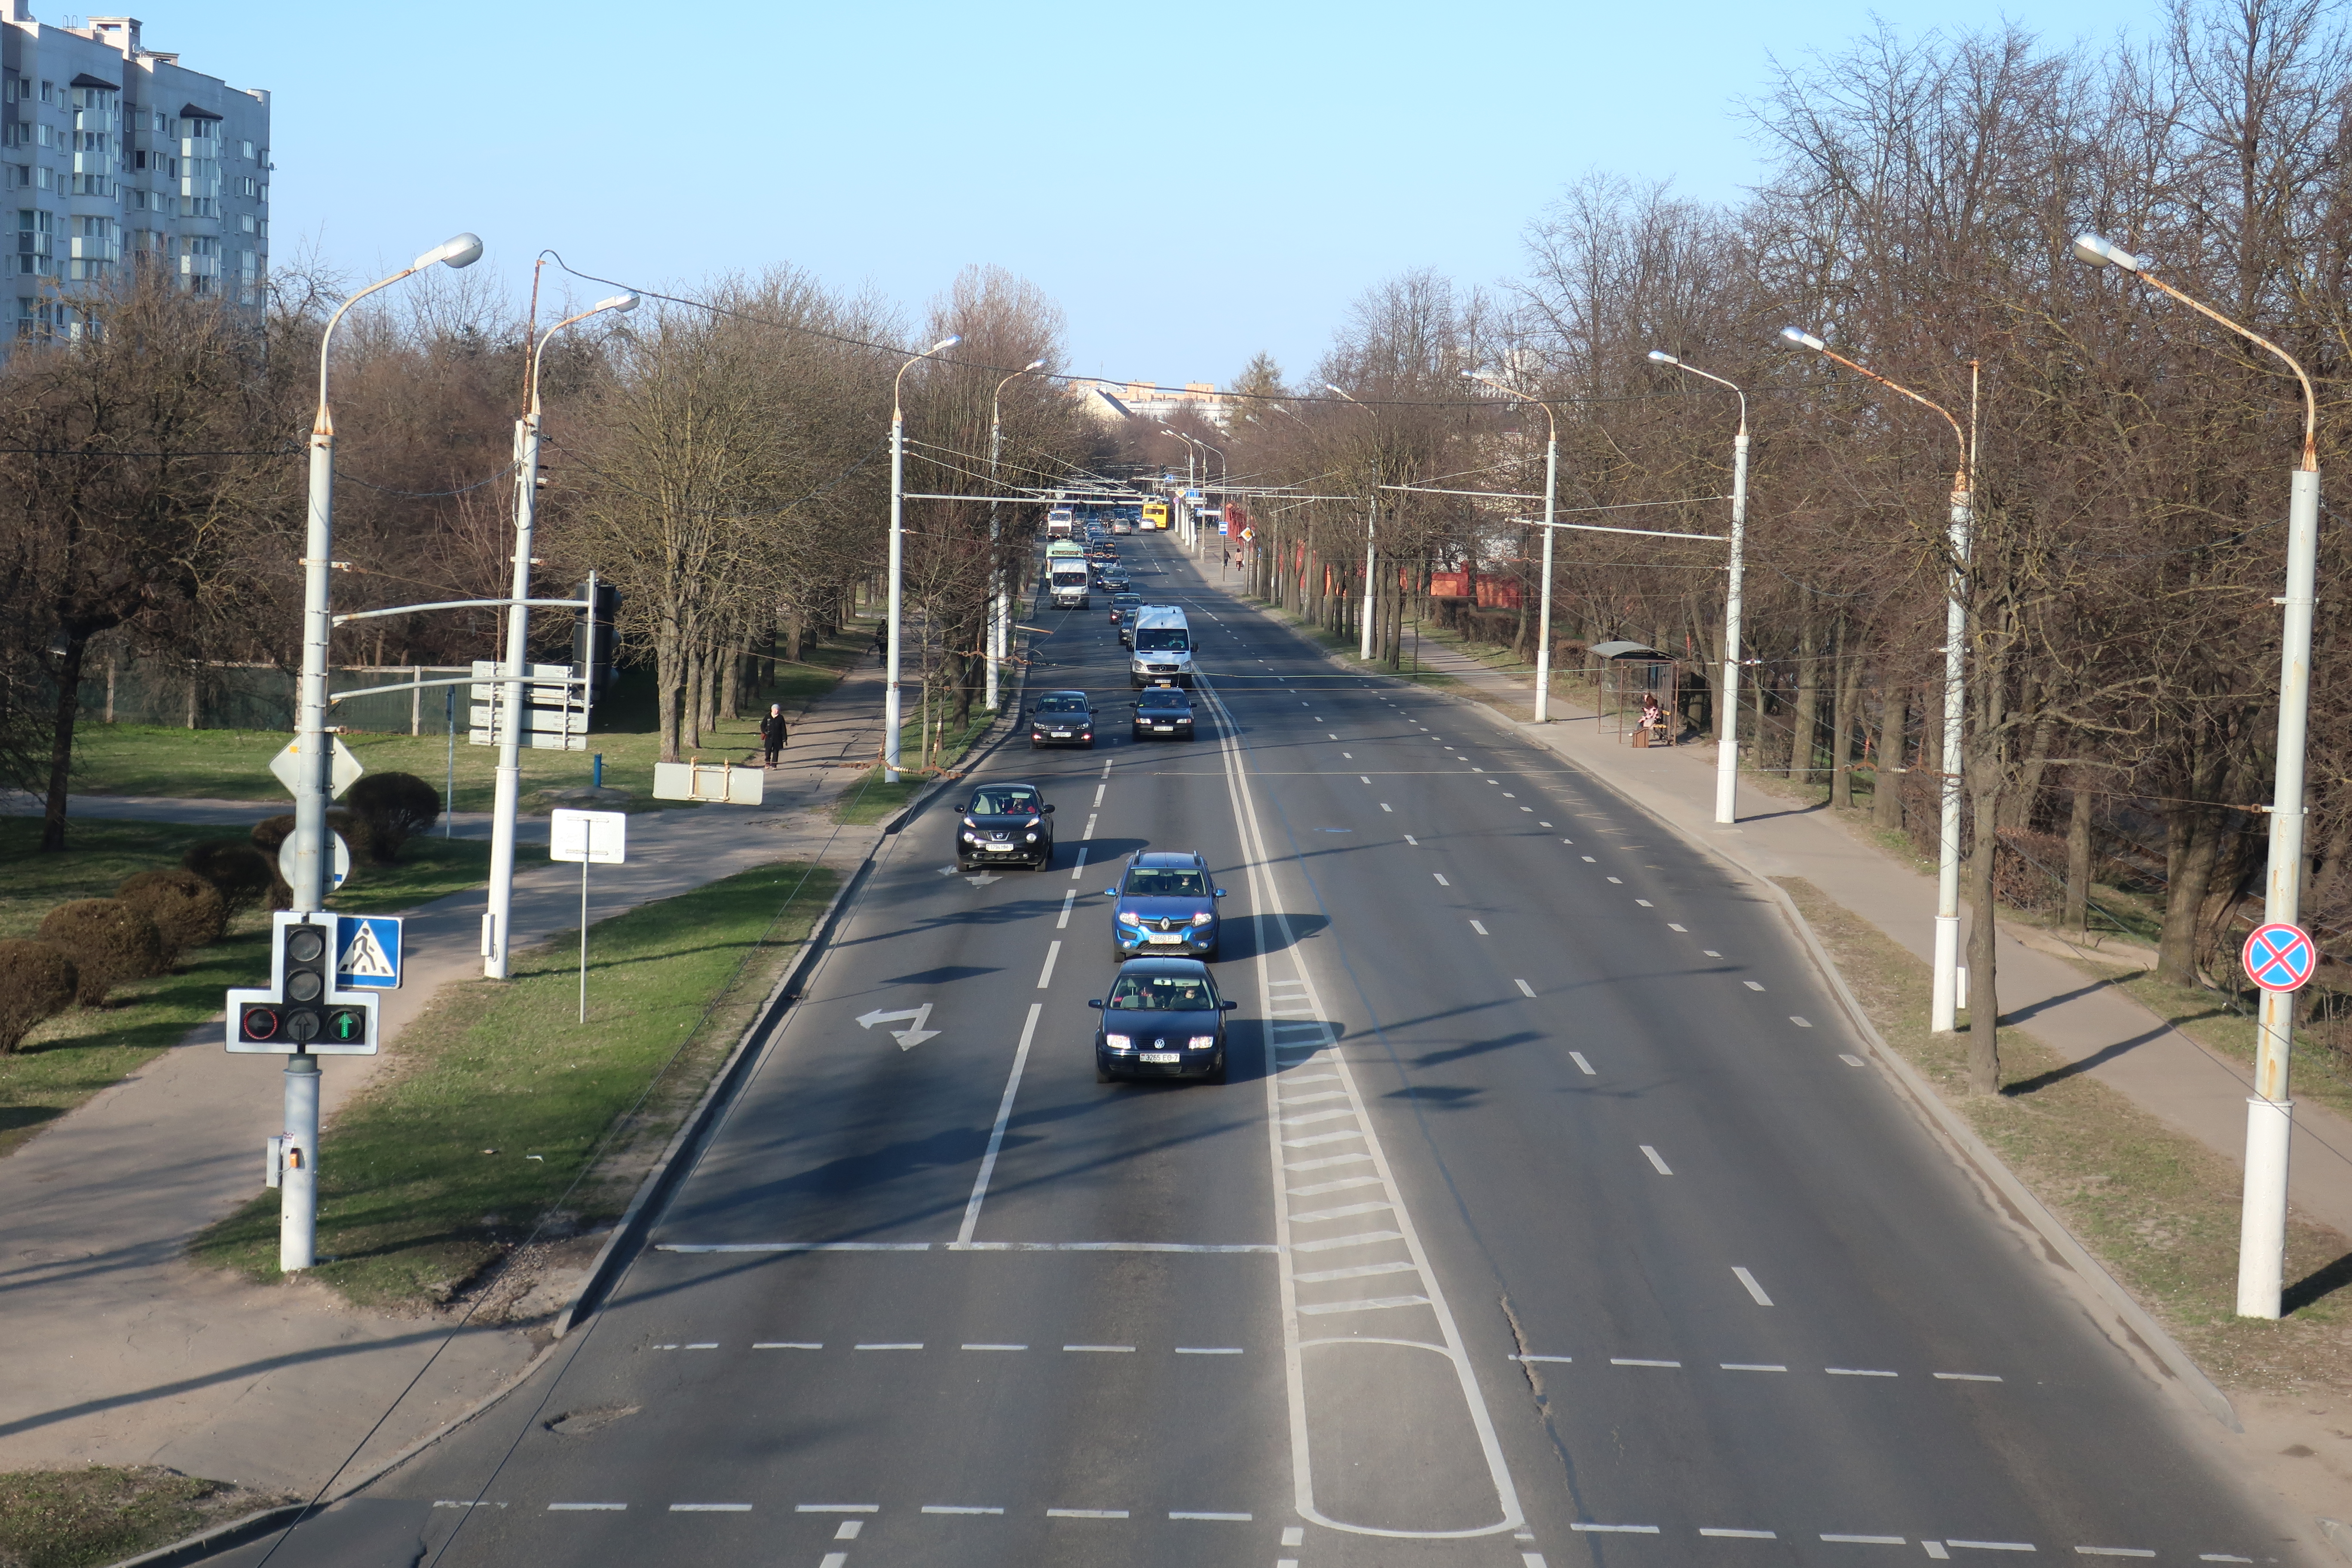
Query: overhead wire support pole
x: 891, y: 701
x: 1371, y: 538
x: 1726, y: 723
x: 2270, y: 1113
x: 1943, y: 1007
x: 1551, y: 505
x: 998, y: 641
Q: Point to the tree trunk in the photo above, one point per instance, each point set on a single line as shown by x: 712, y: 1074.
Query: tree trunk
x: 1984, y: 991
x: 2077, y: 913
x: 1887, y: 783
x: 669, y: 681
x: 2192, y: 843
x: 690, y: 699
x: 53, y: 811
x: 1803, y: 743
x: 1849, y: 697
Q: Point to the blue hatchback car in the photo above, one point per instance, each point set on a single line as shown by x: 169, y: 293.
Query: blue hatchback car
x: 1164, y: 904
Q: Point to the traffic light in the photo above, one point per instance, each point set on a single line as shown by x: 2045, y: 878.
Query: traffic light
x: 591, y: 636
x: 302, y: 1010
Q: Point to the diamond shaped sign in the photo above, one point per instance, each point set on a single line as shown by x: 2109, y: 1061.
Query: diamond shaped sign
x: 288, y: 766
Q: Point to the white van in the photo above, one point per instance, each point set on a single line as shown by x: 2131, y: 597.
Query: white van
x: 1163, y: 647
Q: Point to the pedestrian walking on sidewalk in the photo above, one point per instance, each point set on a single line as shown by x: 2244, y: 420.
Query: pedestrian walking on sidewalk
x: 880, y: 652
x: 774, y: 732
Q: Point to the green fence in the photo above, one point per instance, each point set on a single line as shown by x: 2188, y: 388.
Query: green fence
x: 262, y: 696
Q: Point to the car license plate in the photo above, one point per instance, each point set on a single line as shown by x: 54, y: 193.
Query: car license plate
x: 1166, y: 936
x: 1061, y: 734
x: 1000, y: 848
x: 1167, y: 1057
x: 1163, y: 728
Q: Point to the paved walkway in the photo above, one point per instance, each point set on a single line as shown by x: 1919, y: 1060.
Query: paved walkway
x: 2100, y: 1029
x: 125, y: 1353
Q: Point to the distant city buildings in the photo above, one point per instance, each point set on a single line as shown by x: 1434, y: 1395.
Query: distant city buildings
x: 1113, y: 400
x: 114, y: 155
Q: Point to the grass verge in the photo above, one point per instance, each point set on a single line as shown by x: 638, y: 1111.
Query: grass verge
x: 233, y: 765
x: 502, y: 1099
x: 867, y: 799
x: 84, y: 1050
x: 101, y: 1513
x: 2319, y: 1074
x: 2156, y: 1207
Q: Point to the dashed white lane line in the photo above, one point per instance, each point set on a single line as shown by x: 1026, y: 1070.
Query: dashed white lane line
x: 1334, y: 737
x: 1441, y: 879
x: 1645, y: 904
x: 1588, y: 860
x: 1548, y: 1359
x: 1850, y: 1061
x: 1067, y: 899
x: 1671, y: 926
x: 1409, y: 839
x: 1710, y: 953
x: 893, y: 1346
x: 1968, y: 1376
x: 1188, y: 1514
x: 1090, y: 833
x: 788, y: 1344
x: 834, y: 1560
x: 1385, y: 806
x: 1582, y: 1065
x: 1543, y: 824
x: 1294, y: 1535
x: 1525, y: 989
x: 982, y: 1347
x: 710, y: 1508
x: 1754, y: 1289
x: 1868, y: 1540
x: 1992, y: 1545
x: 1639, y: 1360
x: 587, y: 1508
x: 1751, y: 1366
x: 1085, y: 1513
x: 1857, y: 1371
x: 1080, y: 869
x: 1480, y: 928
x: 1739, y: 1534
x: 838, y: 1507
x: 1045, y: 975
x: 1663, y: 1169
x: 1103, y: 1349
x: 1752, y: 985
x: 1619, y: 880
x: 1098, y: 793
x: 957, y: 1508
x: 1208, y: 1350
x: 1365, y: 778
x: 2113, y: 1551
x: 1615, y: 1529
x: 1801, y: 1021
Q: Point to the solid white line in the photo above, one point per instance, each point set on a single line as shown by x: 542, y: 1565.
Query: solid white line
x: 1004, y: 1115
x: 587, y: 1507
x: 1637, y: 1361
x: 1857, y: 1371
x: 1045, y: 975
x: 953, y: 1507
x: 1525, y: 988
x: 1753, y: 1289
x: 1967, y: 1377
x: 1078, y: 869
x: 1582, y: 1066
x: 1112, y: 1247
x: 1067, y: 899
x: 1663, y: 1169
x: 1186, y: 1513
x: 1741, y: 1534
x: 1480, y: 927
x: 789, y: 1345
x: 1208, y: 1350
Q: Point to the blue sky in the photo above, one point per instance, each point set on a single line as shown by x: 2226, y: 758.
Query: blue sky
x: 1192, y: 183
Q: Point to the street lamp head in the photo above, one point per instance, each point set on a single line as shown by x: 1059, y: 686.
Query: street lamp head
x: 2093, y: 251
x: 1804, y: 339
x: 1032, y: 365
x: 623, y: 302
x: 1334, y: 389
x: 1659, y: 356
x: 462, y: 250
x: 946, y: 343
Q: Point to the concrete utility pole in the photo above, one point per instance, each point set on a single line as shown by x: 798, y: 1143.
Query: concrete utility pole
x: 1551, y: 509
x: 299, y: 1200
x: 514, y: 700
x: 1944, y: 1004
x: 1727, y: 724
x: 998, y: 640
x: 891, y: 700
x: 2270, y: 1114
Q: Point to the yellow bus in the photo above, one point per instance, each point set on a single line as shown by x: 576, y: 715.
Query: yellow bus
x: 1155, y: 515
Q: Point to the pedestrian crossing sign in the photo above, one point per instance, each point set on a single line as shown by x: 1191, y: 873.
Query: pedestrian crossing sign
x: 367, y: 953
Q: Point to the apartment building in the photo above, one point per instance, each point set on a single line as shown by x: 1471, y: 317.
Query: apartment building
x: 112, y: 155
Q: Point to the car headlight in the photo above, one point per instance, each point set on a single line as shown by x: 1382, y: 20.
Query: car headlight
x: 972, y: 838
x: 1130, y: 918
x: 1118, y: 1042
x: 1201, y: 1042
x: 968, y: 822
x: 1033, y: 838
x: 1204, y: 918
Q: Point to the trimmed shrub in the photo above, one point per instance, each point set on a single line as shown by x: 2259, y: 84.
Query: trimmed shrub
x: 187, y: 911
x: 37, y: 981
x: 243, y: 876
x: 271, y: 832
x: 270, y: 835
x: 110, y: 942
x: 394, y: 806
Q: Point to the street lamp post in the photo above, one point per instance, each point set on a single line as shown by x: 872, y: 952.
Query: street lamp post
x: 1224, y: 468
x: 1726, y: 751
x: 1944, y: 1003
x: 1371, y: 542
x: 2270, y: 1114
x: 1552, y: 495
x: 891, y: 703
x: 514, y: 696
x: 998, y: 639
x: 298, y: 1209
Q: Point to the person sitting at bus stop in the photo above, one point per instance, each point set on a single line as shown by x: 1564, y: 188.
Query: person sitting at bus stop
x: 774, y: 732
x: 1654, y: 722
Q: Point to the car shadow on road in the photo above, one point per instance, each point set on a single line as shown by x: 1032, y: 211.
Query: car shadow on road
x: 1245, y: 938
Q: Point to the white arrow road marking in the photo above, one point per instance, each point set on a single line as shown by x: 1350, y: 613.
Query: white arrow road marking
x: 983, y: 880
x: 907, y: 1038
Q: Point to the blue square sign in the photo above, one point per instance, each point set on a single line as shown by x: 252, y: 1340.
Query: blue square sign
x: 367, y: 953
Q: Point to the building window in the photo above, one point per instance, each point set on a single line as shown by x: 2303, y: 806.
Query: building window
x: 49, y: 92
x: 43, y: 178
x: 245, y: 221
x: 245, y: 150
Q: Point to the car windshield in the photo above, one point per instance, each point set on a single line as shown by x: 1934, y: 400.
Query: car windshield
x: 1156, y: 882
x: 1165, y: 700
x: 1171, y: 638
x: 1061, y: 705
x: 1162, y: 993
x: 1004, y: 803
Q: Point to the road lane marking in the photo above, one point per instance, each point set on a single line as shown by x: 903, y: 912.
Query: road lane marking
x: 1187, y: 1513
x: 1409, y: 839
x: 1850, y: 1061
x: 1615, y: 1529
x: 1098, y: 793
x: 1090, y: 833
x: 1360, y: 1271
x: 1801, y: 1021
x: 1079, y: 869
x: 1751, y: 1366
x: 1067, y: 899
x: 1671, y: 926
x: 1991, y: 1545
x: 1710, y: 953
x: 1045, y: 975
x: 1085, y: 1513
x: 1367, y: 1304
x: 2113, y: 1551
x: 710, y: 1508
x: 1935, y: 1549
x: 1525, y: 989
x: 1869, y: 1540
x: 1968, y: 1376
x: 1645, y: 904
x: 1654, y: 1159
x: 1582, y: 1066
x: 957, y: 1508
x: 1291, y: 1099
x: 1384, y: 806
x: 1753, y: 1289
x: 1588, y: 860
x: 1441, y: 879
x: 1319, y: 1139
x: 1857, y: 1371
x: 1208, y: 1350
x: 1004, y: 1115
x: 1638, y: 1361
x: 1366, y: 777
x: 1479, y: 927
x: 1752, y: 985
x: 587, y: 1508
x: 788, y: 1345
x: 1741, y: 1534
x: 1619, y: 880
x: 1543, y: 824
x: 978, y: 1347
x: 898, y: 1345
x: 1325, y: 1163
x: 1333, y: 1243
x: 1344, y: 1211
x: 1104, y: 1350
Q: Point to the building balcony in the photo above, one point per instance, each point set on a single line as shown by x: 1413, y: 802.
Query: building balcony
x: 200, y: 267
x: 87, y: 248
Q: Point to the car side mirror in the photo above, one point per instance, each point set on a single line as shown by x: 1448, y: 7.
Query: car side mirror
x: 1049, y: 811
x: 1227, y: 1006
x: 1221, y: 892
x: 1111, y: 892
x: 1096, y: 1004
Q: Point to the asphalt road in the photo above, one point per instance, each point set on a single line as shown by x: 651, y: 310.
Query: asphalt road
x: 1551, y: 1216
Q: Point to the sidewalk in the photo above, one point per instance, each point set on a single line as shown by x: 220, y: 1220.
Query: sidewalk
x: 126, y: 1354
x: 2107, y: 1033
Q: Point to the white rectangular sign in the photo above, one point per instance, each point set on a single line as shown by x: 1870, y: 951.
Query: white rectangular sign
x: 598, y: 837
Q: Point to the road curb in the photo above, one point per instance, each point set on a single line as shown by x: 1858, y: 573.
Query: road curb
x: 2134, y: 1322
x: 219, y: 1538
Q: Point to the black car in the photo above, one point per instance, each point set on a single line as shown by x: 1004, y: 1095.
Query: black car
x: 1114, y: 578
x: 1061, y: 718
x: 1005, y: 824
x: 1122, y: 614
x: 1162, y: 1019
x: 1163, y: 711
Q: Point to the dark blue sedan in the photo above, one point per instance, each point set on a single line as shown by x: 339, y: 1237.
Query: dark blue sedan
x: 1164, y: 904
x: 1162, y: 1019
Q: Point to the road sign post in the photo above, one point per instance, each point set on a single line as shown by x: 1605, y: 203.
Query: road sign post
x: 598, y: 836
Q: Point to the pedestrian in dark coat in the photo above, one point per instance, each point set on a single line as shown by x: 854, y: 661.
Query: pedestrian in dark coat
x: 772, y: 732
